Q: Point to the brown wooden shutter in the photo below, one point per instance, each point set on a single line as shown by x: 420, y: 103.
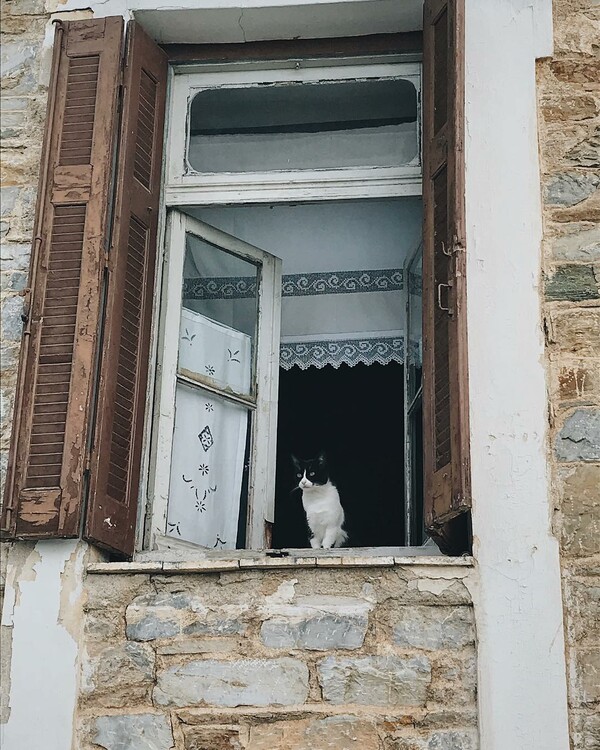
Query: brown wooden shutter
x: 445, y: 394
x: 116, y: 456
x: 51, y: 427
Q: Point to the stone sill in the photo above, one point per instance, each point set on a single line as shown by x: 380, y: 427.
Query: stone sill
x: 247, y: 560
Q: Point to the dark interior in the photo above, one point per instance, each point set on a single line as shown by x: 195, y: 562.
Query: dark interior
x: 355, y: 414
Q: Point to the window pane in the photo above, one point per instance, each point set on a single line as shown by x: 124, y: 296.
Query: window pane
x: 304, y: 126
x: 207, y: 466
x: 218, y: 317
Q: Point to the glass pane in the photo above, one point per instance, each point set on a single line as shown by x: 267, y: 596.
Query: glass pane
x: 414, y: 356
x: 218, y: 317
x: 207, y: 469
x: 304, y: 126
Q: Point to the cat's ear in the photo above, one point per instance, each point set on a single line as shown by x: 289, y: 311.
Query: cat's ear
x: 322, y: 458
x: 295, y: 461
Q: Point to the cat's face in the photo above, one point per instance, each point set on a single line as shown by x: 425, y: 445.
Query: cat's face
x: 312, y: 472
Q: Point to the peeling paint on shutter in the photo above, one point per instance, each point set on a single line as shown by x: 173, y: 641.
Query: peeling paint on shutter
x: 45, y: 479
x: 445, y: 385
x: 116, y: 457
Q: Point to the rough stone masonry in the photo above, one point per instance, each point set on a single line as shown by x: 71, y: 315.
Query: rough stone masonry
x: 569, y: 127
x: 373, y: 658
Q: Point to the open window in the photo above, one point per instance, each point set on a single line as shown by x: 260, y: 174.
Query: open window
x: 315, y: 206
x: 272, y: 143
x: 219, y: 382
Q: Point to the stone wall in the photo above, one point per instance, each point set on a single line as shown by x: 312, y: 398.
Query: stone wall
x: 569, y: 106
x: 370, y: 658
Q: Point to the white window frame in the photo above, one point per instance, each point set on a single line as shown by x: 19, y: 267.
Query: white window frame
x: 263, y: 400
x: 184, y: 188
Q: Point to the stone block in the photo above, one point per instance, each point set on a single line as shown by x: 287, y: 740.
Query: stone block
x: 13, y: 282
x: 375, y: 680
x: 28, y: 7
x: 248, y: 682
x: 578, y: 242
x: 580, y: 510
x: 576, y: 71
x: 452, y: 740
x: 319, y: 633
x: 586, y: 729
x: 433, y: 627
x: 113, y: 676
x: 343, y: 732
x: 214, y: 626
x: 582, y: 597
x: 16, y: 57
x: 586, y: 668
x: 569, y: 108
x: 134, y: 732
x: 14, y: 256
x: 167, y: 615
x: 579, y: 438
x: 103, y: 625
x: 8, y: 200
x: 150, y: 627
x: 578, y: 381
x: 570, y: 188
x: 577, y: 332
x: 12, y: 324
x: 573, y: 283
x: 587, y: 152
x: 455, y: 674
x: 198, y: 646
x: 212, y: 738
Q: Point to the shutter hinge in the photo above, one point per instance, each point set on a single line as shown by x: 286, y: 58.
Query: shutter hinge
x: 106, y: 261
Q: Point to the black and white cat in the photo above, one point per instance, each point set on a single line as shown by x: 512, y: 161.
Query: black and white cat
x: 321, y: 502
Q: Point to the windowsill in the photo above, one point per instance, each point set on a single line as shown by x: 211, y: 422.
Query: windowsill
x: 180, y: 561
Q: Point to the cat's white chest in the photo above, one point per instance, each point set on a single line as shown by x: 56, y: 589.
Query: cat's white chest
x: 324, y: 515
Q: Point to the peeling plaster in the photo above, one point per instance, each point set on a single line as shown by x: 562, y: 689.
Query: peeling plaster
x: 44, y: 606
x: 71, y: 592
x: 23, y: 558
x: 432, y: 585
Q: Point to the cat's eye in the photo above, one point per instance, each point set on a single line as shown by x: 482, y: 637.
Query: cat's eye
x: 311, y: 473
x: 298, y: 474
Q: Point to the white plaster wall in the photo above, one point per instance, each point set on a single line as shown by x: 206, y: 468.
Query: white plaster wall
x: 522, y: 685
x: 43, y: 606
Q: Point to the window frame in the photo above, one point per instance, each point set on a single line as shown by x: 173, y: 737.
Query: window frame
x: 262, y: 402
x: 185, y: 189
x: 282, y: 187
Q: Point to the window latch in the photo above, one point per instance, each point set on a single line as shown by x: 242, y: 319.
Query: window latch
x: 439, y: 297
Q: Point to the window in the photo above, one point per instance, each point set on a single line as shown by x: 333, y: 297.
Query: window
x: 315, y: 145
x: 267, y: 139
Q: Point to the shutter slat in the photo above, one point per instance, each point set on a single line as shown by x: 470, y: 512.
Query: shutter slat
x: 44, y: 487
x: 445, y: 393
x: 115, y: 465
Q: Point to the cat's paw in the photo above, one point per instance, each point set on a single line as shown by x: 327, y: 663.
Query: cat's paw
x: 315, y: 544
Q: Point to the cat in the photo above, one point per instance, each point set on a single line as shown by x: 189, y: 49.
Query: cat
x: 321, y: 502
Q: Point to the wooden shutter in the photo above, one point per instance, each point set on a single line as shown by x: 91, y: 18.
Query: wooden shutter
x: 445, y: 402
x: 116, y: 455
x: 51, y: 427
